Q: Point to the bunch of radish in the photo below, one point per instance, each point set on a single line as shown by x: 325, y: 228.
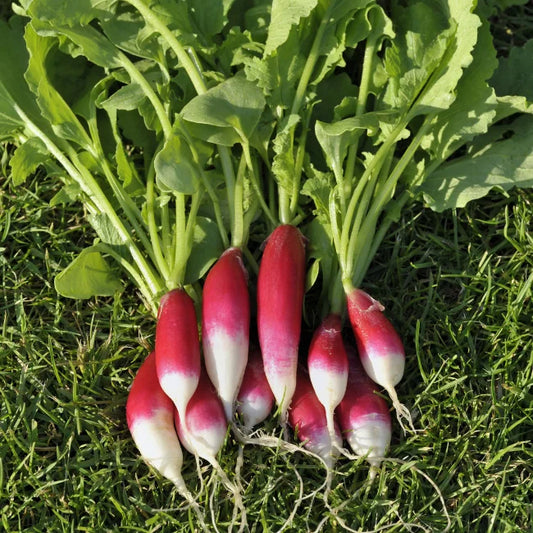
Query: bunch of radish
x: 206, y: 376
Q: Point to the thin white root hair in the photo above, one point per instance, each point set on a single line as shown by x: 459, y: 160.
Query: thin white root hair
x: 402, y: 412
x: 186, y: 494
x: 334, y: 511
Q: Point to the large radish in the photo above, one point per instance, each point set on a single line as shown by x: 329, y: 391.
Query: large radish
x: 177, y: 347
x: 363, y: 415
x: 226, y: 325
x: 328, y: 366
x: 280, y: 293
x: 380, y: 348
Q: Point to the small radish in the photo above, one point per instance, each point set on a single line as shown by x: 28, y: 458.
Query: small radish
x: 149, y: 414
x: 328, y: 366
x: 205, y: 426
x: 307, y: 417
x: 226, y: 325
x: 255, y: 399
x: 280, y: 293
x: 380, y: 348
x: 177, y: 347
x: 203, y: 431
x: 363, y: 415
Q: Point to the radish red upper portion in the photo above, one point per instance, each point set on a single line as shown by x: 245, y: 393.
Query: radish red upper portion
x: 146, y: 395
x: 374, y: 333
x: 177, y: 344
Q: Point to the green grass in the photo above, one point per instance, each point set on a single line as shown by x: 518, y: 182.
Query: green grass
x: 457, y: 285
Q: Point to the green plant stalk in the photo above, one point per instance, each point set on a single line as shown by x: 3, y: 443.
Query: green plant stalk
x: 347, y: 236
x: 298, y: 168
x: 179, y: 259
x: 237, y: 235
x: 361, y: 244
x: 362, y: 97
x: 285, y: 201
x: 254, y: 173
x: 159, y: 258
x: 134, y: 274
x: 89, y: 185
x: 137, y: 77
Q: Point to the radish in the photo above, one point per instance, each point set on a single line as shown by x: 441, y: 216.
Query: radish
x: 255, y: 399
x: 328, y: 366
x: 177, y: 347
x: 149, y: 415
x: 203, y: 431
x: 307, y: 417
x: 380, y: 348
x: 226, y: 325
x: 280, y: 292
x: 363, y: 415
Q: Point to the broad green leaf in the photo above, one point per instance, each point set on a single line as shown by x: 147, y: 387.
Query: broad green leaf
x: 336, y: 138
x: 87, y: 276
x: 503, y: 164
x: 235, y: 104
x: 285, y: 14
x: 65, y: 13
x: 13, y: 88
x: 475, y: 106
x: 105, y: 229
x: 207, y: 248
x: 27, y: 158
x: 175, y: 166
x: 53, y: 106
x: 128, y: 98
x: 514, y: 75
x: 319, y: 186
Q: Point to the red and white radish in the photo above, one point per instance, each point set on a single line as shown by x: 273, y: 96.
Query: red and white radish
x: 307, y: 417
x: 380, y: 348
x: 177, y: 347
x: 280, y: 293
x: 150, y: 419
x: 255, y: 399
x: 203, y: 430
x: 328, y: 366
x: 363, y: 415
x: 226, y: 325
x: 205, y: 427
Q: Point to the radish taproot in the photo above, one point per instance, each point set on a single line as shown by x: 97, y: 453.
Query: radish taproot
x: 363, y: 415
x: 255, y: 399
x: 280, y: 293
x: 379, y: 346
x: 150, y: 419
x: 226, y: 325
x: 328, y: 366
x: 177, y: 347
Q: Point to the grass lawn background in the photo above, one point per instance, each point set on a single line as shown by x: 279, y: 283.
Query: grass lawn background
x: 458, y: 287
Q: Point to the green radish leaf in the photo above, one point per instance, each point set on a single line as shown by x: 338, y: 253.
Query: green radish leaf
x: 13, y: 88
x: 128, y: 98
x: 27, y: 158
x: 87, y: 276
x: 68, y: 194
x: 285, y: 14
x: 206, y: 249
x: 231, y: 109
x: 514, y: 75
x: 283, y: 163
x: 336, y: 138
x: 503, y: 164
x: 105, y: 229
x: 62, y: 13
x: 175, y: 166
x: 53, y: 106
